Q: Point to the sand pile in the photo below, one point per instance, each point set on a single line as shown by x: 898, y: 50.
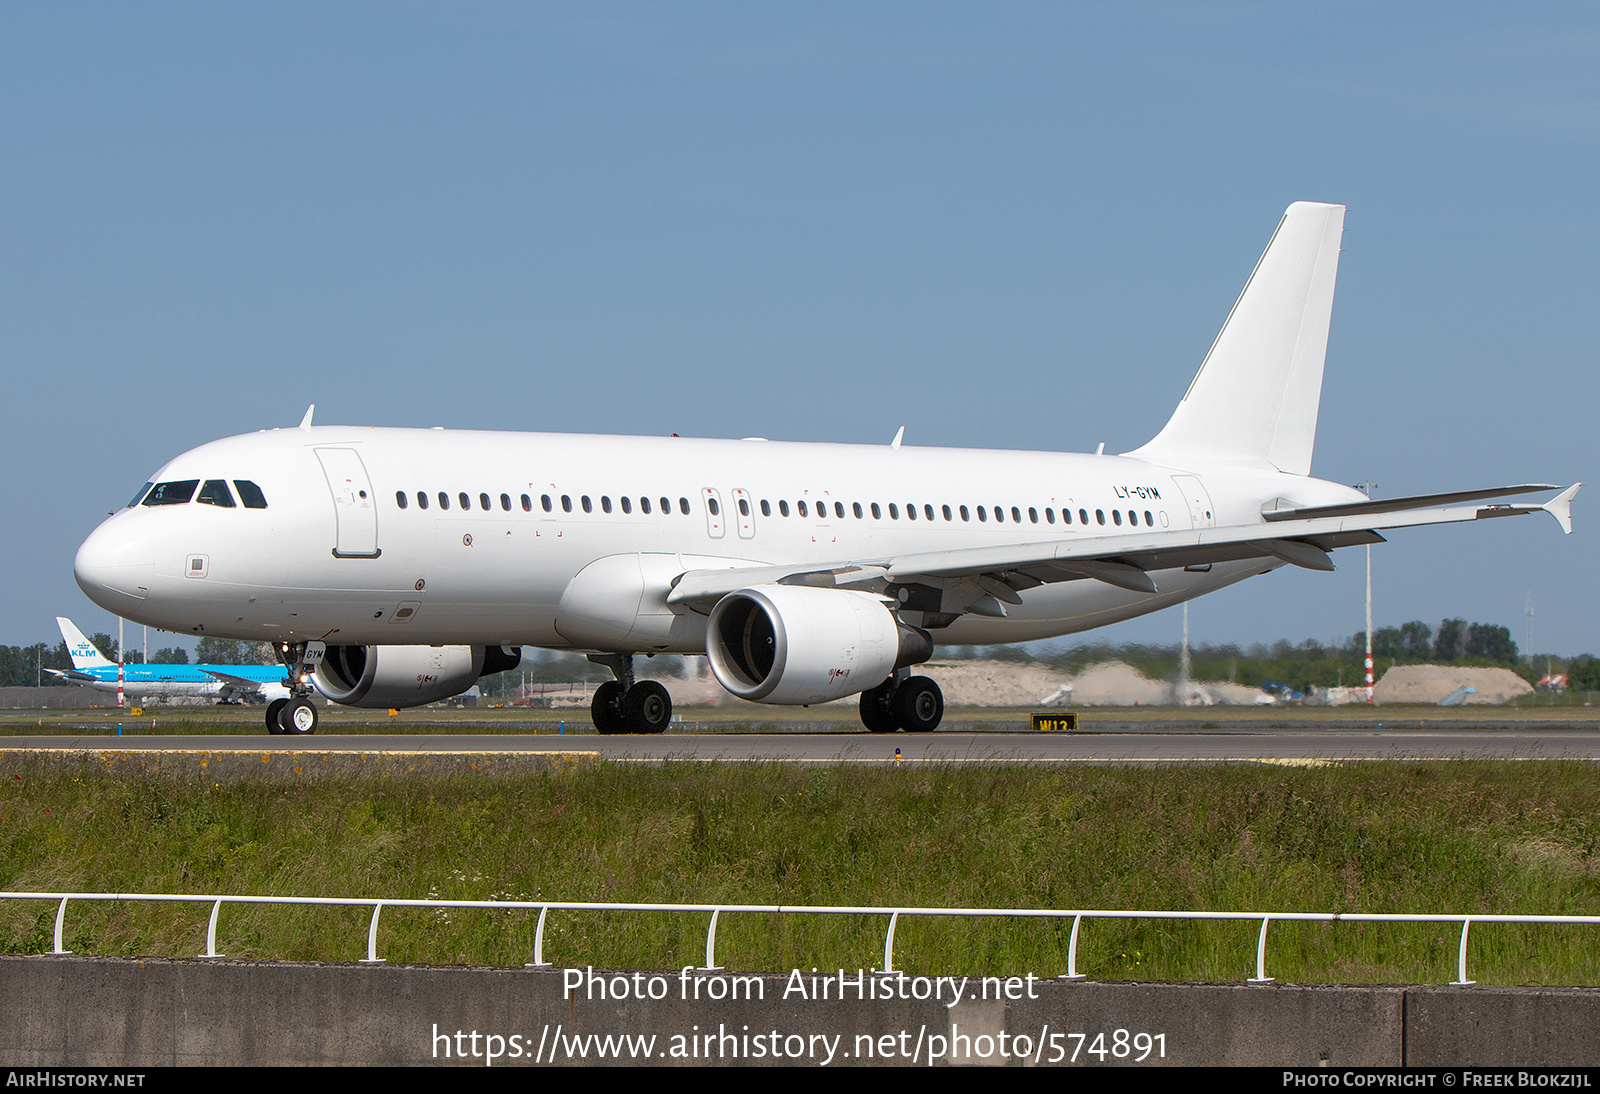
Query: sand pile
x: 978, y: 683
x: 992, y: 683
x: 1431, y: 683
x: 1117, y: 683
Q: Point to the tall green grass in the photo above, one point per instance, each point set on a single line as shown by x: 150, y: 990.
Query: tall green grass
x: 1457, y: 837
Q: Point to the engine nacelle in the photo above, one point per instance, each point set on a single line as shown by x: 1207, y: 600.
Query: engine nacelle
x: 796, y: 644
x: 405, y: 676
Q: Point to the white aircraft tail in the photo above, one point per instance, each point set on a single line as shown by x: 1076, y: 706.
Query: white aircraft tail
x: 84, y: 653
x: 1255, y: 399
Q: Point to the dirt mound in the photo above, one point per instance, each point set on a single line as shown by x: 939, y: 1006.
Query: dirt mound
x: 993, y: 683
x: 1431, y: 683
x: 979, y: 683
x: 1117, y: 684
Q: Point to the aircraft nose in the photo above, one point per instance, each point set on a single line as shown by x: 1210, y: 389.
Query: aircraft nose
x: 113, y: 569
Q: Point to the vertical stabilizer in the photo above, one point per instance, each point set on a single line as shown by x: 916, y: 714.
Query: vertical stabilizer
x: 1254, y: 400
x: 83, y: 652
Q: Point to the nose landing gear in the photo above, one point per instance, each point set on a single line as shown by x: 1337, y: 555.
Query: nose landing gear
x: 296, y: 716
x: 625, y: 706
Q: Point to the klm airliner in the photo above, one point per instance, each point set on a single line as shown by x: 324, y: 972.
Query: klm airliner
x: 224, y: 683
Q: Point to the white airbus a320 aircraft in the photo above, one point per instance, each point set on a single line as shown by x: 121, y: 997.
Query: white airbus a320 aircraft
x: 393, y: 567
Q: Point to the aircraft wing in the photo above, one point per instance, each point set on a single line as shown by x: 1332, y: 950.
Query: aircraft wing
x: 234, y: 683
x: 1301, y: 537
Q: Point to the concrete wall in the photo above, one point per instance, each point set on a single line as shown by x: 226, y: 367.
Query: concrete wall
x: 105, y: 1012
x: 54, y: 698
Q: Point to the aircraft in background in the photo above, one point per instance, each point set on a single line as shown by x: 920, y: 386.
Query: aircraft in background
x: 393, y: 567
x: 224, y: 683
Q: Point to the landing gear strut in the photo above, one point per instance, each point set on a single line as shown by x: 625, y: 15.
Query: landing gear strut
x: 912, y: 703
x: 624, y: 706
x: 295, y: 716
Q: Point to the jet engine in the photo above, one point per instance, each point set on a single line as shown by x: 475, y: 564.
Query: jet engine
x: 406, y: 676
x: 798, y: 644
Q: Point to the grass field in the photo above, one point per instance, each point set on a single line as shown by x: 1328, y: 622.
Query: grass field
x: 1453, y: 837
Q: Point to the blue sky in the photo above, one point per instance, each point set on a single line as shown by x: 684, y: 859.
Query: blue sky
x: 1006, y: 225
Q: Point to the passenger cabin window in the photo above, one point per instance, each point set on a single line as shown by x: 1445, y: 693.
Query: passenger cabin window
x: 711, y: 504
x: 444, y: 500
x: 588, y: 506
x: 605, y: 503
x: 505, y: 502
x: 855, y: 507
x: 627, y: 503
x: 400, y: 499
x: 172, y: 493
x: 644, y: 506
x: 744, y: 508
x: 466, y: 502
x: 1049, y: 516
x: 544, y: 502
x: 894, y: 511
x: 683, y: 506
x: 766, y: 509
x: 800, y: 507
x: 216, y: 492
x: 838, y: 509
x: 422, y: 500
x: 983, y: 516
x: 566, y: 503
x: 964, y: 515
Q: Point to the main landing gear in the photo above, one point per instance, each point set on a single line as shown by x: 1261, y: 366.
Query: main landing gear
x: 623, y: 706
x: 912, y: 703
x: 295, y: 716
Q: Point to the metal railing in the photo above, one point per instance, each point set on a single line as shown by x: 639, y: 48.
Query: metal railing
x: 544, y: 908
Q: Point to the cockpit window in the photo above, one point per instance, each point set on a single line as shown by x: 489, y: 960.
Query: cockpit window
x: 216, y: 492
x: 140, y: 495
x: 172, y: 493
x: 250, y: 494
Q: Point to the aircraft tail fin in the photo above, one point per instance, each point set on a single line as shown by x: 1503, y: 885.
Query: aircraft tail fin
x: 1255, y: 399
x: 84, y: 654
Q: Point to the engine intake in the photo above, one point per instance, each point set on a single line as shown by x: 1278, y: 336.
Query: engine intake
x: 405, y: 676
x: 796, y: 644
